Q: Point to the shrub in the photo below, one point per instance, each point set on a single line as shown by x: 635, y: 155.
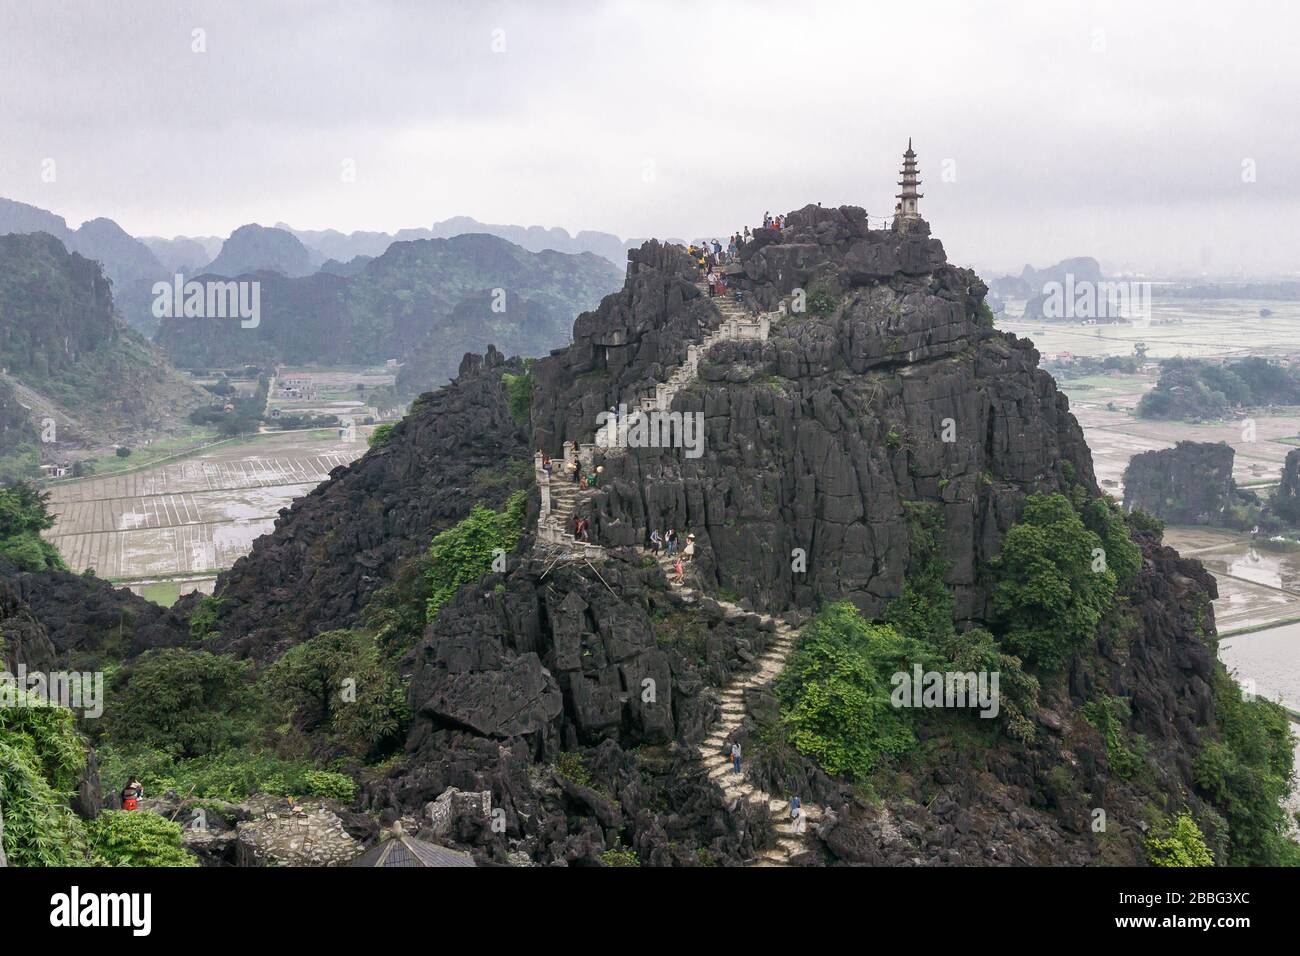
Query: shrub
x: 203, y: 619
x: 835, y: 691
x: 41, y: 760
x: 464, y: 553
x: 337, y: 687
x: 1247, y: 772
x: 1047, y: 599
x: 334, y: 786
x: 519, y: 391
x: 380, y: 435
x: 620, y: 856
x: 136, y: 838
x: 1180, y: 845
x: 182, y: 702
x: 122, y: 451
x: 24, y: 514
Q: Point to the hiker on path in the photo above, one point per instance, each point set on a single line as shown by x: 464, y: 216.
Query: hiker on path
x: 574, y: 471
x: 680, y: 570
x: 546, y: 463
x: 735, y: 757
x: 671, y: 539
x: 132, y: 793
x: 713, y: 285
x: 797, y: 821
x: 689, y: 551
x: 656, y: 541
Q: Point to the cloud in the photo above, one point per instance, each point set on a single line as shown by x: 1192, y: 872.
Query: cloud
x: 1115, y: 130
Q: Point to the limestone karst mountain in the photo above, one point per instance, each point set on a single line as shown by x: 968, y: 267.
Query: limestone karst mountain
x: 254, y: 248
x: 64, y: 348
x: 426, y: 301
x: 593, y: 700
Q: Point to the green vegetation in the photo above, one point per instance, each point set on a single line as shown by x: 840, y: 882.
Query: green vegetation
x: 1246, y: 772
x: 620, y: 856
x: 229, y: 775
x: 1108, y: 715
x: 136, y: 838
x: 835, y: 691
x: 1193, y: 389
x: 182, y: 702
x: 336, y: 688
x: 519, y: 388
x: 41, y: 760
x: 203, y: 619
x: 1181, y: 844
x: 822, y: 298
x: 1054, y: 582
x: 570, y: 765
x: 24, y: 514
x: 379, y: 437
x: 465, y: 553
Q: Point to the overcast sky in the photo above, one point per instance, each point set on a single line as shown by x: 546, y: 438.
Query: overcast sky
x: 1157, y: 136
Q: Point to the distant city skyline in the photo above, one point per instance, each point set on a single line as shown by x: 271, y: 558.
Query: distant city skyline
x: 1158, y: 139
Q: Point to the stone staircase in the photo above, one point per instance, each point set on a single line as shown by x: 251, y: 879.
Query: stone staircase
x: 560, y: 496
x: 715, y: 750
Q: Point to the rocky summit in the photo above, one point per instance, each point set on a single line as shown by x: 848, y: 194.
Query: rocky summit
x: 586, y: 693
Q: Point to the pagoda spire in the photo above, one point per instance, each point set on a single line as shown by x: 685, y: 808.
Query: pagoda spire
x: 905, y: 211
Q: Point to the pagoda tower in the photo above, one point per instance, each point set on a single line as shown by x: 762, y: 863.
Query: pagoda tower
x: 905, y: 212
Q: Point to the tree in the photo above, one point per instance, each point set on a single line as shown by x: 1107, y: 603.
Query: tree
x: 185, y: 703
x: 835, y: 691
x: 337, y: 687
x: 24, y: 514
x: 1051, y: 590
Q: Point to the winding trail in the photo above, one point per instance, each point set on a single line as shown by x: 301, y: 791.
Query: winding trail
x: 555, y: 538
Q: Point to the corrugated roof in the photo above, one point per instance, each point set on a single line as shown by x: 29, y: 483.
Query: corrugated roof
x: 404, y: 850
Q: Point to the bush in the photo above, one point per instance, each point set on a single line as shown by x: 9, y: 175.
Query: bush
x: 1047, y: 599
x: 835, y: 692
x: 122, y: 451
x: 336, y: 686
x: 1180, y: 845
x: 231, y: 775
x: 182, y: 702
x: 1247, y: 772
x: 519, y: 389
x: 24, y: 514
x: 380, y: 435
x: 333, y: 786
x: 464, y: 553
x: 136, y: 838
x: 620, y: 856
x: 41, y: 760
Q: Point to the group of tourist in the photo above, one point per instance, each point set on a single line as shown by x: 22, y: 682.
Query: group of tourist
x: 773, y: 223
x: 669, y: 540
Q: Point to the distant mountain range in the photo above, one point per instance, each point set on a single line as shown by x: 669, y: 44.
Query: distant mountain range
x: 65, y: 356
x: 426, y: 301
x: 133, y: 264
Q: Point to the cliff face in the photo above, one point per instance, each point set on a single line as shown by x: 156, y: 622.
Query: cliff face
x: 815, y: 438
x: 1190, y: 483
x: 333, y: 548
x: 891, y: 388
